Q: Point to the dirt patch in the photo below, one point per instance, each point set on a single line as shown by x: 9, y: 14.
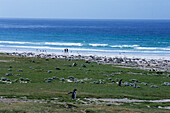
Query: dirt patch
x: 5, y: 61
x: 125, y: 100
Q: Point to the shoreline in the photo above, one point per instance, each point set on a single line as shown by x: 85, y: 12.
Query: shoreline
x: 158, y: 65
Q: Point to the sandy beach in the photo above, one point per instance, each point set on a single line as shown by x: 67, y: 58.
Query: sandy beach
x: 150, y: 63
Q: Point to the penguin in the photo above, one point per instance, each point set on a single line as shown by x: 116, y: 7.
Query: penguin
x: 73, y: 94
x: 120, y: 82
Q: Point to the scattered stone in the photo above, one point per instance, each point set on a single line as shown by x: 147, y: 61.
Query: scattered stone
x: 54, y: 77
x: 133, y: 80
x: 27, y: 79
x: 9, y: 69
x: 62, y: 79
x: 109, y: 79
x: 33, y: 61
x: 144, y: 83
x: 8, y: 80
x: 154, y: 86
x: 74, y: 64
x: 165, y: 84
x: 18, y: 75
x: 20, y: 70
x: 168, y: 75
x: 159, y: 72
x: 49, y: 71
x: 48, y: 81
x: 15, y: 80
x: 21, y: 79
x: 83, y: 65
x: 3, y: 79
x: 126, y: 84
x: 8, y: 74
x: 111, y: 75
x: 106, y: 75
x: 47, y: 59
x: 82, y: 81
x: 137, y: 86
x: 87, y: 62
x: 71, y: 77
x: 10, y: 66
x: 57, y: 68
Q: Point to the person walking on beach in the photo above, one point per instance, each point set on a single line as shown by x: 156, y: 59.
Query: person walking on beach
x: 73, y: 94
x: 120, y: 82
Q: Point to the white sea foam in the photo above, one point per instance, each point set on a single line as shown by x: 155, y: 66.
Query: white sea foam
x: 63, y: 44
x: 152, y: 48
x: 95, y: 45
x: 83, y: 49
x: 43, y: 43
x: 25, y: 26
x: 16, y: 42
x: 124, y: 46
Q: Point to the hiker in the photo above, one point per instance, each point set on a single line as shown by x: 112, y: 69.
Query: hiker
x: 73, y: 94
x: 120, y: 82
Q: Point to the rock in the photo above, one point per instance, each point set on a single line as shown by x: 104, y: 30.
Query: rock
x: 8, y: 80
x: 159, y: 72
x: 10, y: 66
x: 18, y: 75
x: 8, y: 74
x: 62, y: 79
x: 15, y: 80
x: 71, y: 77
x: 87, y: 62
x: 83, y: 65
x: 137, y: 86
x: 116, y: 79
x: 33, y: 61
x: 20, y: 70
x: 48, y: 81
x: 109, y: 79
x: 54, y: 77
x: 9, y: 69
x: 111, y: 75
x: 168, y: 75
x: 154, y: 86
x: 82, y: 81
x: 133, y: 80
x: 3, y: 79
x: 49, y: 71
x: 47, y: 59
x: 96, y: 82
x: 74, y: 64
x: 126, y: 83
x: 21, y: 79
x: 144, y: 83
x: 57, y: 68
x: 165, y: 84
x: 27, y: 79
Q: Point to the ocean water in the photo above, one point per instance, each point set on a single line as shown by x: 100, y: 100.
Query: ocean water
x: 97, y: 37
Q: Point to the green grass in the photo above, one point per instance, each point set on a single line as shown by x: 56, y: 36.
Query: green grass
x: 38, y: 89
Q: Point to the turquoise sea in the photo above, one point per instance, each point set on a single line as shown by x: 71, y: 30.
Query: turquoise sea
x: 100, y: 37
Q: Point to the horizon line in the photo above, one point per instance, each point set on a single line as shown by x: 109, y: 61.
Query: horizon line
x: 86, y: 18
